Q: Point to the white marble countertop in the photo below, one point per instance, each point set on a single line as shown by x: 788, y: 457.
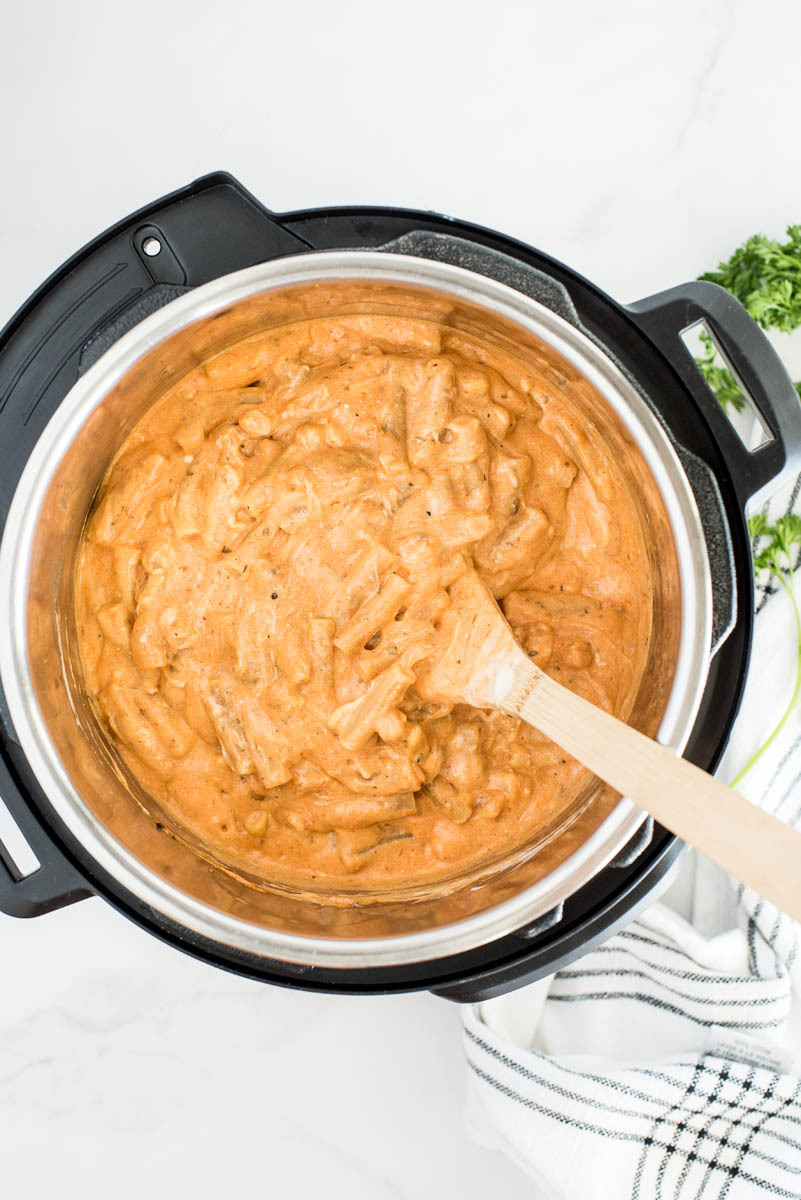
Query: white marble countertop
x: 639, y: 142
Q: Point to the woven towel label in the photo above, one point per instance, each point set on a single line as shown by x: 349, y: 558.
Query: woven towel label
x: 729, y: 1043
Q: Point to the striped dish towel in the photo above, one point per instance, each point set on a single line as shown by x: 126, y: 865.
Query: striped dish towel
x: 665, y: 1064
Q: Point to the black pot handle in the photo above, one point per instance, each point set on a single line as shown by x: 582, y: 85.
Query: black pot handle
x: 756, y: 365
x: 54, y: 884
x: 118, y: 280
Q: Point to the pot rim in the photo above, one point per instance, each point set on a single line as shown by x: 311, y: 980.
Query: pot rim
x: 18, y: 538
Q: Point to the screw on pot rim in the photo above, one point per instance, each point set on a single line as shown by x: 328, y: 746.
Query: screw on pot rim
x: 595, y: 366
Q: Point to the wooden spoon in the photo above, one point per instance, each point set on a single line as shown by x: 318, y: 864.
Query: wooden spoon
x: 480, y: 663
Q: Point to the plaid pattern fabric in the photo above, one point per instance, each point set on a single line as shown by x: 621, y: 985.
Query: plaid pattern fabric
x: 708, y: 1128
x: 618, y: 1089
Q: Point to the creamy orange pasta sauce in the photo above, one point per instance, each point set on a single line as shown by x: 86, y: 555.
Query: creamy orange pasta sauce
x: 269, y: 560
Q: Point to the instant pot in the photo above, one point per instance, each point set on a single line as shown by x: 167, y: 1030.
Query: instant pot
x: 206, y: 266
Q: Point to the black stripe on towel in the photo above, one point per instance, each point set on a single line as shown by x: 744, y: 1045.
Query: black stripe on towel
x: 632, y: 972
x: 660, y: 968
x: 769, y: 1188
x: 576, y: 1097
x: 655, y: 1002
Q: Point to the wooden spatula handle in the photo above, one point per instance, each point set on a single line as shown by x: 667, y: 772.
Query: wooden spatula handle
x: 756, y: 848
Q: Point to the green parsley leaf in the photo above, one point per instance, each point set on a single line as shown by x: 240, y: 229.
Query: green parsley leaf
x: 758, y: 525
x: 788, y: 531
x: 776, y: 555
x: 773, y: 553
x: 765, y: 276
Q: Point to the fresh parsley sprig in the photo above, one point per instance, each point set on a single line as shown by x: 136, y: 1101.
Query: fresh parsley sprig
x: 774, y: 547
x: 765, y: 276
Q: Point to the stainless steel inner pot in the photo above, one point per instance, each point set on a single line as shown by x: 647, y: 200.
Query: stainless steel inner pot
x: 64, y: 745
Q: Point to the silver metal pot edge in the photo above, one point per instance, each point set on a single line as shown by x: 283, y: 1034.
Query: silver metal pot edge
x: 606, y: 377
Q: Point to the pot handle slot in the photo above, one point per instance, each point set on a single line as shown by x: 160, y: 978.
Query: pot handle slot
x: 54, y: 883
x: 756, y: 367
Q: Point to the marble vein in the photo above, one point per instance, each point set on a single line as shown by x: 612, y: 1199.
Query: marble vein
x: 708, y: 71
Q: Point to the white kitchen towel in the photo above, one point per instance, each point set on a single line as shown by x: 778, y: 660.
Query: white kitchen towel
x: 663, y: 1065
